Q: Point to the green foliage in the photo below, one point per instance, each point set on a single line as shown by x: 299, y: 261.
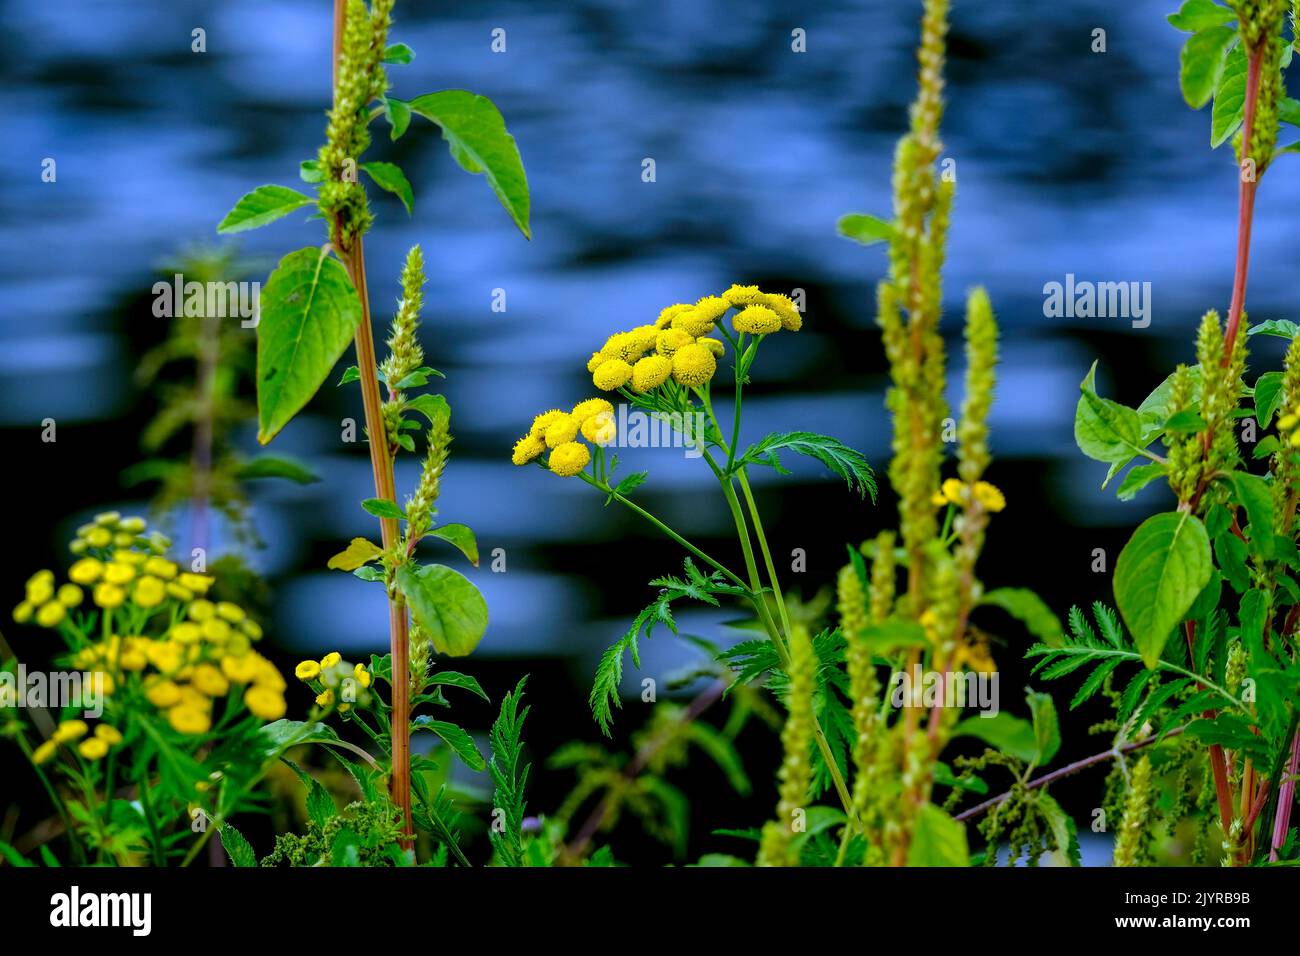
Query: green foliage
x: 509, y: 779
x: 446, y: 606
x: 838, y: 458
x: 263, y: 205
x: 865, y: 229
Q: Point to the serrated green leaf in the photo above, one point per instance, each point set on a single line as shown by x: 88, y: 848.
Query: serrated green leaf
x: 461, y: 743
x: 1047, y: 728
x: 1138, y: 477
x: 937, y: 840
x: 1282, y: 328
x: 237, y: 848
x: 1105, y: 430
x: 263, y: 205
x: 1229, y: 97
x: 841, y: 460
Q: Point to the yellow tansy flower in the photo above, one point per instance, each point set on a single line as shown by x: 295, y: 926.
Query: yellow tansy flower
x: 670, y: 340
x: 589, y: 407
x: 189, y: 720
x: 45, y: 752
x: 70, y: 730
x: 160, y: 568
x: 561, y: 430
x: 756, y: 320
x: 569, y: 459
x: 50, y: 615
x: 611, y: 374
x: 119, y: 572
x: 698, y: 321
x: 186, y: 632
x: 149, y: 592
x: 202, y: 610
x: 241, y: 670
x: 230, y: 612
x: 990, y: 496
x: 651, y: 372
x: 742, y: 295
x: 789, y: 314
x: 330, y: 660
x: 713, y: 345
x: 109, y: 734
x: 693, y: 365
x: 23, y: 612
x: 208, y: 680
x: 307, y: 670
x: 163, y: 694
x: 954, y: 491
x: 108, y: 596
x: 93, y: 748
x: 362, y: 675
x: 86, y: 571
x: 667, y: 315
x: 198, y: 583
x: 70, y: 595
x: 526, y: 449
x: 600, y: 429
x: 710, y: 308
x: 264, y: 703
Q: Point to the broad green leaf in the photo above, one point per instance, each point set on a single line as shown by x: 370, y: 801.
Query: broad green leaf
x: 1268, y: 396
x: 1230, y: 552
x: 1047, y: 728
x: 1158, y: 575
x: 389, y: 176
x: 1282, y: 328
x: 937, y: 840
x: 398, y: 114
x: 1196, y: 15
x: 479, y: 141
x: 1208, y: 600
x: 446, y: 605
x: 310, y: 313
x: 1062, y: 826
x: 359, y: 552
x: 1201, y: 62
x: 283, y: 734
x: 1229, y: 98
x: 1185, y: 422
x: 383, y: 508
x: 237, y: 848
x: 865, y: 229
x: 1030, y: 610
x: 1256, y: 496
x: 1105, y: 430
x: 432, y: 407
x: 462, y: 537
x: 270, y: 466
x: 1138, y: 478
x: 1012, y: 735
x: 309, y: 171
x: 399, y: 53
x: 456, y: 679
x: 263, y: 205
x: 457, y: 738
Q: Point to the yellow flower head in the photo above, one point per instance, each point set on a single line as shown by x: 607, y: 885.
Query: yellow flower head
x: 569, y: 459
x: 149, y: 591
x: 990, y: 496
x: 623, y: 345
x: 594, y: 362
x: 561, y: 430
x: 742, y: 295
x: 589, y: 407
x: 251, y: 629
x: 264, y: 703
x: 325, y: 698
x: 99, y: 537
x: 954, y: 491
x: 119, y: 572
x: 70, y: 595
x: 644, y: 337
x: 108, y: 596
x: 698, y: 321
x: 187, y: 719
x: 543, y: 422
x: 711, y: 308
x: 23, y: 612
x: 600, y: 429
x: 651, y: 372
x: 670, y: 340
x: 786, y: 310
x: 362, y: 675
x: 86, y: 571
x: 93, y: 748
x: 307, y: 670
x: 109, y: 734
x: 70, y: 730
x: 756, y: 320
x: 693, y: 365
x: 526, y: 449
x: 938, y: 500
x: 202, y: 610
x: 198, y: 583
x: 50, y: 615
x: 242, y: 669
x: 667, y: 315
x: 133, y: 558
x: 713, y: 345
x: 208, y: 680
x: 40, y: 587
x: 230, y: 612
x: 178, y: 592
x: 611, y: 374
x: 43, y: 753
x: 160, y: 568
x: 186, y: 632
x: 330, y: 660
x: 163, y: 694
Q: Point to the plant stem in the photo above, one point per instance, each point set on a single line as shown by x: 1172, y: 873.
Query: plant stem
x: 1286, y: 797
x: 354, y: 260
x: 1245, y: 203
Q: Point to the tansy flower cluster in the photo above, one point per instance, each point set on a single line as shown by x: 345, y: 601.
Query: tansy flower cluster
x: 90, y: 746
x: 988, y: 496
x: 675, y: 353
x: 337, y: 684
x: 151, y: 638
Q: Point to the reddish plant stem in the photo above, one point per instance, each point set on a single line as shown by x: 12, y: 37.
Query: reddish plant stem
x: 1286, y: 797
x: 1245, y: 203
x: 1218, y: 759
x: 381, y: 464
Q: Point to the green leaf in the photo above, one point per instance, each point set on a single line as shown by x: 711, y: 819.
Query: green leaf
x: 1268, y: 396
x: 508, y: 780
x: 359, y: 552
x: 399, y: 53
x: 1201, y: 62
x: 457, y: 738
x: 1013, y: 736
x: 350, y: 374
x: 462, y: 536
x: 456, y: 679
x: 269, y: 466
x: 1158, y: 575
x: 1105, y: 430
x: 398, y: 114
x: 1282, y: 328
x: 1230, y: 552
x: 1195, y: 15
x: 283, y: 734
x: 1138, y: 478
x: 1030, y: 610
x: 446, y: 605
x: 432, y: 407
x: 310, y: 313
x: 629, y: 484
x: 1256, y: 496
x: 839, y: 458
x: 417, y: 378
x: 937, y: 840
x: 1047, y: 728
x: 479, y: 141
x: 389, y: 176
x: 309, y: 171
x: 865, y: 229
x: 1229, y: 97
x: 237, y: 848
x: 383, y: 508
x: 1062, y: 826
x: 893, y: 635
x: 1185, y: 421
x: 263, y: 205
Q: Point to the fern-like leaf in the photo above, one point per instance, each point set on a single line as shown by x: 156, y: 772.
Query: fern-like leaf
x: 508, y: 780
x: 837, y: 457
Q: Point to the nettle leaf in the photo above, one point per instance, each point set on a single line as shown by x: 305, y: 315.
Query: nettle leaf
x: 359, y: 552
x: 310, y: 313
x: 1105, y: 430
x: 398, y: 114
x: 1229, y: 98
x: 1138, y: 478
x: 865, y: 229
x: 236, y: 846
x: 1030, y: 610
x: 446, y: 605
x: 462, y: 537
x: 383, y: 508
x: 1062, y: 826
x: 461, y: 743
x: 1268, y: 396
x: 389, y: 176
x: 1013, y: 736
x: 1201, y: 63
x: 1256, y: 496
x: 1195, y: 15
x: 1158, y: 576
x: 399, y: 53
x: 477, y: 135
x: 1047, y: 728
x: 269, y: 466
x: 937, y: 840
x: 1282, y: 328
x: 839, y: 458
x: 263, y: 205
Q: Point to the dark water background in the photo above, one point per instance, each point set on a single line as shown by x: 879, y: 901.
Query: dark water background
x: 1068, y: 161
